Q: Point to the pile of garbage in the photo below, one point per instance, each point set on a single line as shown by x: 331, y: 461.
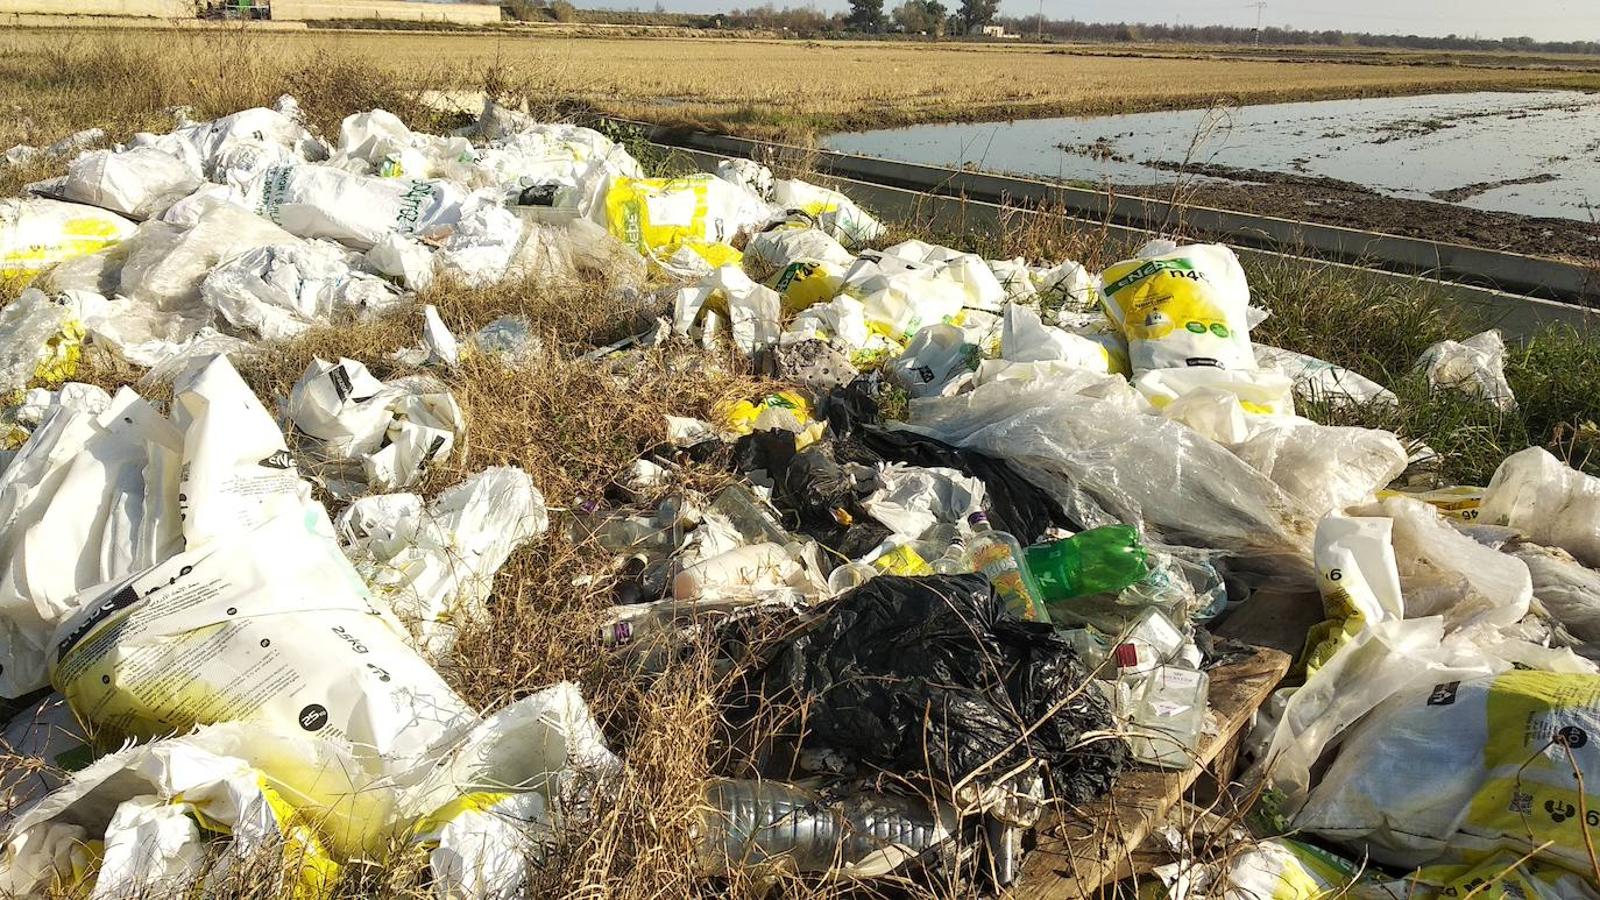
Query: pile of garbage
x: 961, y: 572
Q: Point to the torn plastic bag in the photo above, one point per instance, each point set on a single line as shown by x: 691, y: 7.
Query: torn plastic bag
x: 1183, y: 308
x: 237, y: 472
x: 36, y: 233
x: 1013, y: 503
x: 579, y: 250
x: 165, y: 265
x: 967, y: 697
x: 1551, y: 504
x: 90, y: 498
x: 1568, y: 590
x: 937, y: 363
x: 225, y: 146
x: 139, y: 183
x: 1456, y: 768
x: 1025, y: 338
x: 434, y: 568
x: 1267, y: 869
x: 823, y: 495
x: 439, y: 346
x: 914, y: 499
x: 753, y: 310
x: 1475, y: 367
x: 787, y: 828
x: 1323, y: 382
x: 1359, y: 581
x: 1445, y: 573
x: 1326, y: 468
x: 376, y: 142
x: 395, y: 429
x: 262, y: 791
x: 355, y: 210
x: 832, y: 211
x: 75, y: 395
x: 753, y: 176
x: 1499, y: 876
x: 969, y: 270
x: 483, y: 244
x: 1100, y: 454
x: 403, y: 259
x: 280, y: 291
x: 778, y: 248
x: 267, y: 623
x: 1259, y: 392
x: 39, y: 340
x: 842, y: 322
x: 1067, y: 284
x: 525, y: 776
x: 901, y: 296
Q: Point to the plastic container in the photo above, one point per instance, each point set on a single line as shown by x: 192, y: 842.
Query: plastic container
x: 1167, y: 716
x: 999, y: 557
x: 756, y: 567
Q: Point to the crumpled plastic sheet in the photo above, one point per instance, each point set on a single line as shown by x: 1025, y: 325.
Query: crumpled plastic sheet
x: 1138, y: 468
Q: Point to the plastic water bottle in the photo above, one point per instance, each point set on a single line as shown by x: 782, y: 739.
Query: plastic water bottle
x: 1098, y: 561
x: 999, y: 557
x: 752, y: 822
x: 953, y: 561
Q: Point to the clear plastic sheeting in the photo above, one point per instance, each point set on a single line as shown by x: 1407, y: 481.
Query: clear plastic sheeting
x: 434, y: 565
x: 279, y: 291
x: 1552, y: 504
x: 1323, y: 382
x: 1142, y: 468
x: 1475, y: 367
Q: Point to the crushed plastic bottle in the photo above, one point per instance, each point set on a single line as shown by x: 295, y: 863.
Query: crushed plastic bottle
x: 999, y: 557
x: 750, y: 823
x: 1098, y: 561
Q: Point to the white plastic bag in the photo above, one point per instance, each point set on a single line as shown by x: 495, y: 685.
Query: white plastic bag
x: 901, y: 297
x: 434, y: 567
x: 237, y: 473
x: 139, y: 183
x: 1475, y: 367
x: 832, y: 211
x: 165, y: 264
x: 913, y: 499
x: 937, y: 363
x: 268, y: 623
x: 1025, y: 338
x: 36, y: 233
x: 39, y: 338
x: 1456, y: 768
x: 1327, y: 468
x: 402, y: 258
x: 1320, y: 381
x: 483, y: 245
x: 90, y: 498
x: 394, y: 429
x: 753, y: 310
x: 1552, y: 504
x: 281, y: 290
x: 1183, y: 308
x: 355, y: 210
x: 752, y: 175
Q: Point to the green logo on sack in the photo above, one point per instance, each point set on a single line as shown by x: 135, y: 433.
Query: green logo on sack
x: 1153, y: 267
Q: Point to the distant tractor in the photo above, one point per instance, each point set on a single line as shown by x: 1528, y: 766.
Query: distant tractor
x: 238, y: 9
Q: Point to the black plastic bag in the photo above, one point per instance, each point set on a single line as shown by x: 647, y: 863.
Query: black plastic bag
x: 926, y: 675
x: 822, y: 495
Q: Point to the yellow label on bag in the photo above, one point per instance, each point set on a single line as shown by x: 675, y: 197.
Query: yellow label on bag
x: 1538, y: 725
x: 1460, y: 502
x: 660, y: 213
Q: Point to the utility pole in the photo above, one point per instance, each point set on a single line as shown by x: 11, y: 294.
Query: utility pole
x: 1040, y: 36
x: 1261, y: 6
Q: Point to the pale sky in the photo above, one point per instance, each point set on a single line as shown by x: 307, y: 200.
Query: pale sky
x: 1541, y: 19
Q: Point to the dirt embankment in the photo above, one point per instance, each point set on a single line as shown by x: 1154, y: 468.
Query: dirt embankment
x: 1329, y: 201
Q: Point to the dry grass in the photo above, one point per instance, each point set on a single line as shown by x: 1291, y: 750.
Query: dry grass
x: 764, y: 88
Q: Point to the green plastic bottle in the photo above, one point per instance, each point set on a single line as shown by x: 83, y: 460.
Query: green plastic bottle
x: 1098, y: 561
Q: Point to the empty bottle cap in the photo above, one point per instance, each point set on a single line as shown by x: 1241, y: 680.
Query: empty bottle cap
x: 978, y: 518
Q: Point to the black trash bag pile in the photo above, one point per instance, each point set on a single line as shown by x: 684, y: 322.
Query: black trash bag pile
x: 823, y: 494
x: 926, y: 675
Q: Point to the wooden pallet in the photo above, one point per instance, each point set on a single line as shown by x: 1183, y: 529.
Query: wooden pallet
x: 1081, y: 853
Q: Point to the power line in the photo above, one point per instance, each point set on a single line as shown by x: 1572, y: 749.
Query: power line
x: 1261, y: 7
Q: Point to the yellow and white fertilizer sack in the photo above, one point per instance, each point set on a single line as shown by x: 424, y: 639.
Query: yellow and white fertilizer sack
x: 1185, y: 308
x: 657, y: 216
x: 1457, y: 770
x: 36, y: 233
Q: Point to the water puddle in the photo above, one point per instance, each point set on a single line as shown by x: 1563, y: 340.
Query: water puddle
x: 1534, y: 153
